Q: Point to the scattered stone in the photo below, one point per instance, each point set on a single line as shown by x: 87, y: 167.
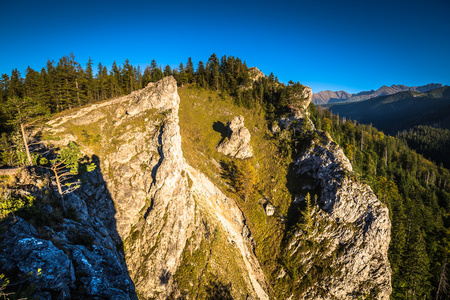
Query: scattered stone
x: 275, y: 129
x: 269, y: 209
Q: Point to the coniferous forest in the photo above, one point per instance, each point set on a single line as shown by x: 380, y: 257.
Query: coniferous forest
x: 416, y: 191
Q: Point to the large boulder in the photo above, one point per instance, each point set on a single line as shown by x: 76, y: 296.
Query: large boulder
x: 238, y: 145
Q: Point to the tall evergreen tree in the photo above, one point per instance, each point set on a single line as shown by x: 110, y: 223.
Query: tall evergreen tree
x: 167, y: 71
x: 214, y: 66
x: 190, y: 70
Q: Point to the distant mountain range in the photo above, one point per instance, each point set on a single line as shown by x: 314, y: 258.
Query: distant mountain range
x: 400, y: 111
x: 325, y: 97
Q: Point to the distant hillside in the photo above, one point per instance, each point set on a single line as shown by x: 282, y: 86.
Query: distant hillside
x: 330, y: 96
x: 400, y: 111
x: 432, y: 143
x: 341, y: 96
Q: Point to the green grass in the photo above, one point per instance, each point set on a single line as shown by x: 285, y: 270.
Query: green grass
x: 208, y: 261
x: 200, y: 110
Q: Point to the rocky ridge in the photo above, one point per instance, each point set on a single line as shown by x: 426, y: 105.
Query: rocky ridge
x: 157, y: 206
x: 357, y: 222
x: 75, y: 258
x: 325, y: 97
x: 349, y: 224
x: 145, y: 196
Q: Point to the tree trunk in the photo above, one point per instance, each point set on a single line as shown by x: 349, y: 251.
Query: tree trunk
x: 22, y: 128
x: 58, y: 183
x: 78, y: 92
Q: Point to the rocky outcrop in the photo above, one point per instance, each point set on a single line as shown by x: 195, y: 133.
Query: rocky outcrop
x: 159, y: 201
x: 64, y: 259
x: 306, y: 95
x: 255, y: 74
x: 167, y: 216
x: 238, y: 145
x: 352, y: 223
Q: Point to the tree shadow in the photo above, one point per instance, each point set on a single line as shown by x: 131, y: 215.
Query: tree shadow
x: 85, y: 236
x: 298, y: 185
x: 217, y: 290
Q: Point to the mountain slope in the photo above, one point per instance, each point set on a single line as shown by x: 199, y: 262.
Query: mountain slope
x: 170, y: 200
x: 330, y: 96
x: 400, y: 111
x: 341, y: 96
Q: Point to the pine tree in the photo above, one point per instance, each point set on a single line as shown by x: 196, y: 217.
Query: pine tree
x: 89, y: 84
x: 214, y: 65
x: 24, y: 112
x: 190, y: 70
x: 66, y: 165
x: 245, y: 179
x: 167, y: 71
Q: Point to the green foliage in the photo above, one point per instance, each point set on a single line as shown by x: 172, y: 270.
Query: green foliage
x: 307, y: 214
x: 12, y: 149
x: 12, y: 204
x: 242, y: 176
x: 4, y: 281
x: 24, y: 110
x: 433, y: 143
x: 69, y: 157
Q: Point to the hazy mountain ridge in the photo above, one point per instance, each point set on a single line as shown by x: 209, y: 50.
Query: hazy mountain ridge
x: 400, y: 111
x: 341, y: 96
x: 327, y: 96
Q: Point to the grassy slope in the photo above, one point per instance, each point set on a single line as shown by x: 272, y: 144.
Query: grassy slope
x: 200, y: 110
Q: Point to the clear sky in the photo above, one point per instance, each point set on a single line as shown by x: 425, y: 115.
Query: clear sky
x: 326, y: 44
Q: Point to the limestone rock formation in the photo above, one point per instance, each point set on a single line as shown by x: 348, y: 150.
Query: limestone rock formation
x: 159, y: 200
x: 74, y: 259
x: 176, y: 226
x: 255, y: 74
x: 306, y: 95
x: 238, y: 145
x: 352, y: 223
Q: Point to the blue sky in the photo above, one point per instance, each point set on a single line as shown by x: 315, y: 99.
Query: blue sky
x: 349, y: 45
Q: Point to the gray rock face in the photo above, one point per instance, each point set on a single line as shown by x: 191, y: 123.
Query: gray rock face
x: 350, y: 217
x: 238, y: 145
x: 269, y: 209
x: 158, y: 200
x: 69, y: 268
x: 307, y: 95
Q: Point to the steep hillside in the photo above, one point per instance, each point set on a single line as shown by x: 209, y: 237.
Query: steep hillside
x: 400, y: 111
x: 184, y: 220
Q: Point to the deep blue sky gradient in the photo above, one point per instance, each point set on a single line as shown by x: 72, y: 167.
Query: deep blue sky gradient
x: 349, y: 45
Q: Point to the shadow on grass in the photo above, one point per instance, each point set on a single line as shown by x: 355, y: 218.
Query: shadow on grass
x: 222, y: 129
x: 217, y: 290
